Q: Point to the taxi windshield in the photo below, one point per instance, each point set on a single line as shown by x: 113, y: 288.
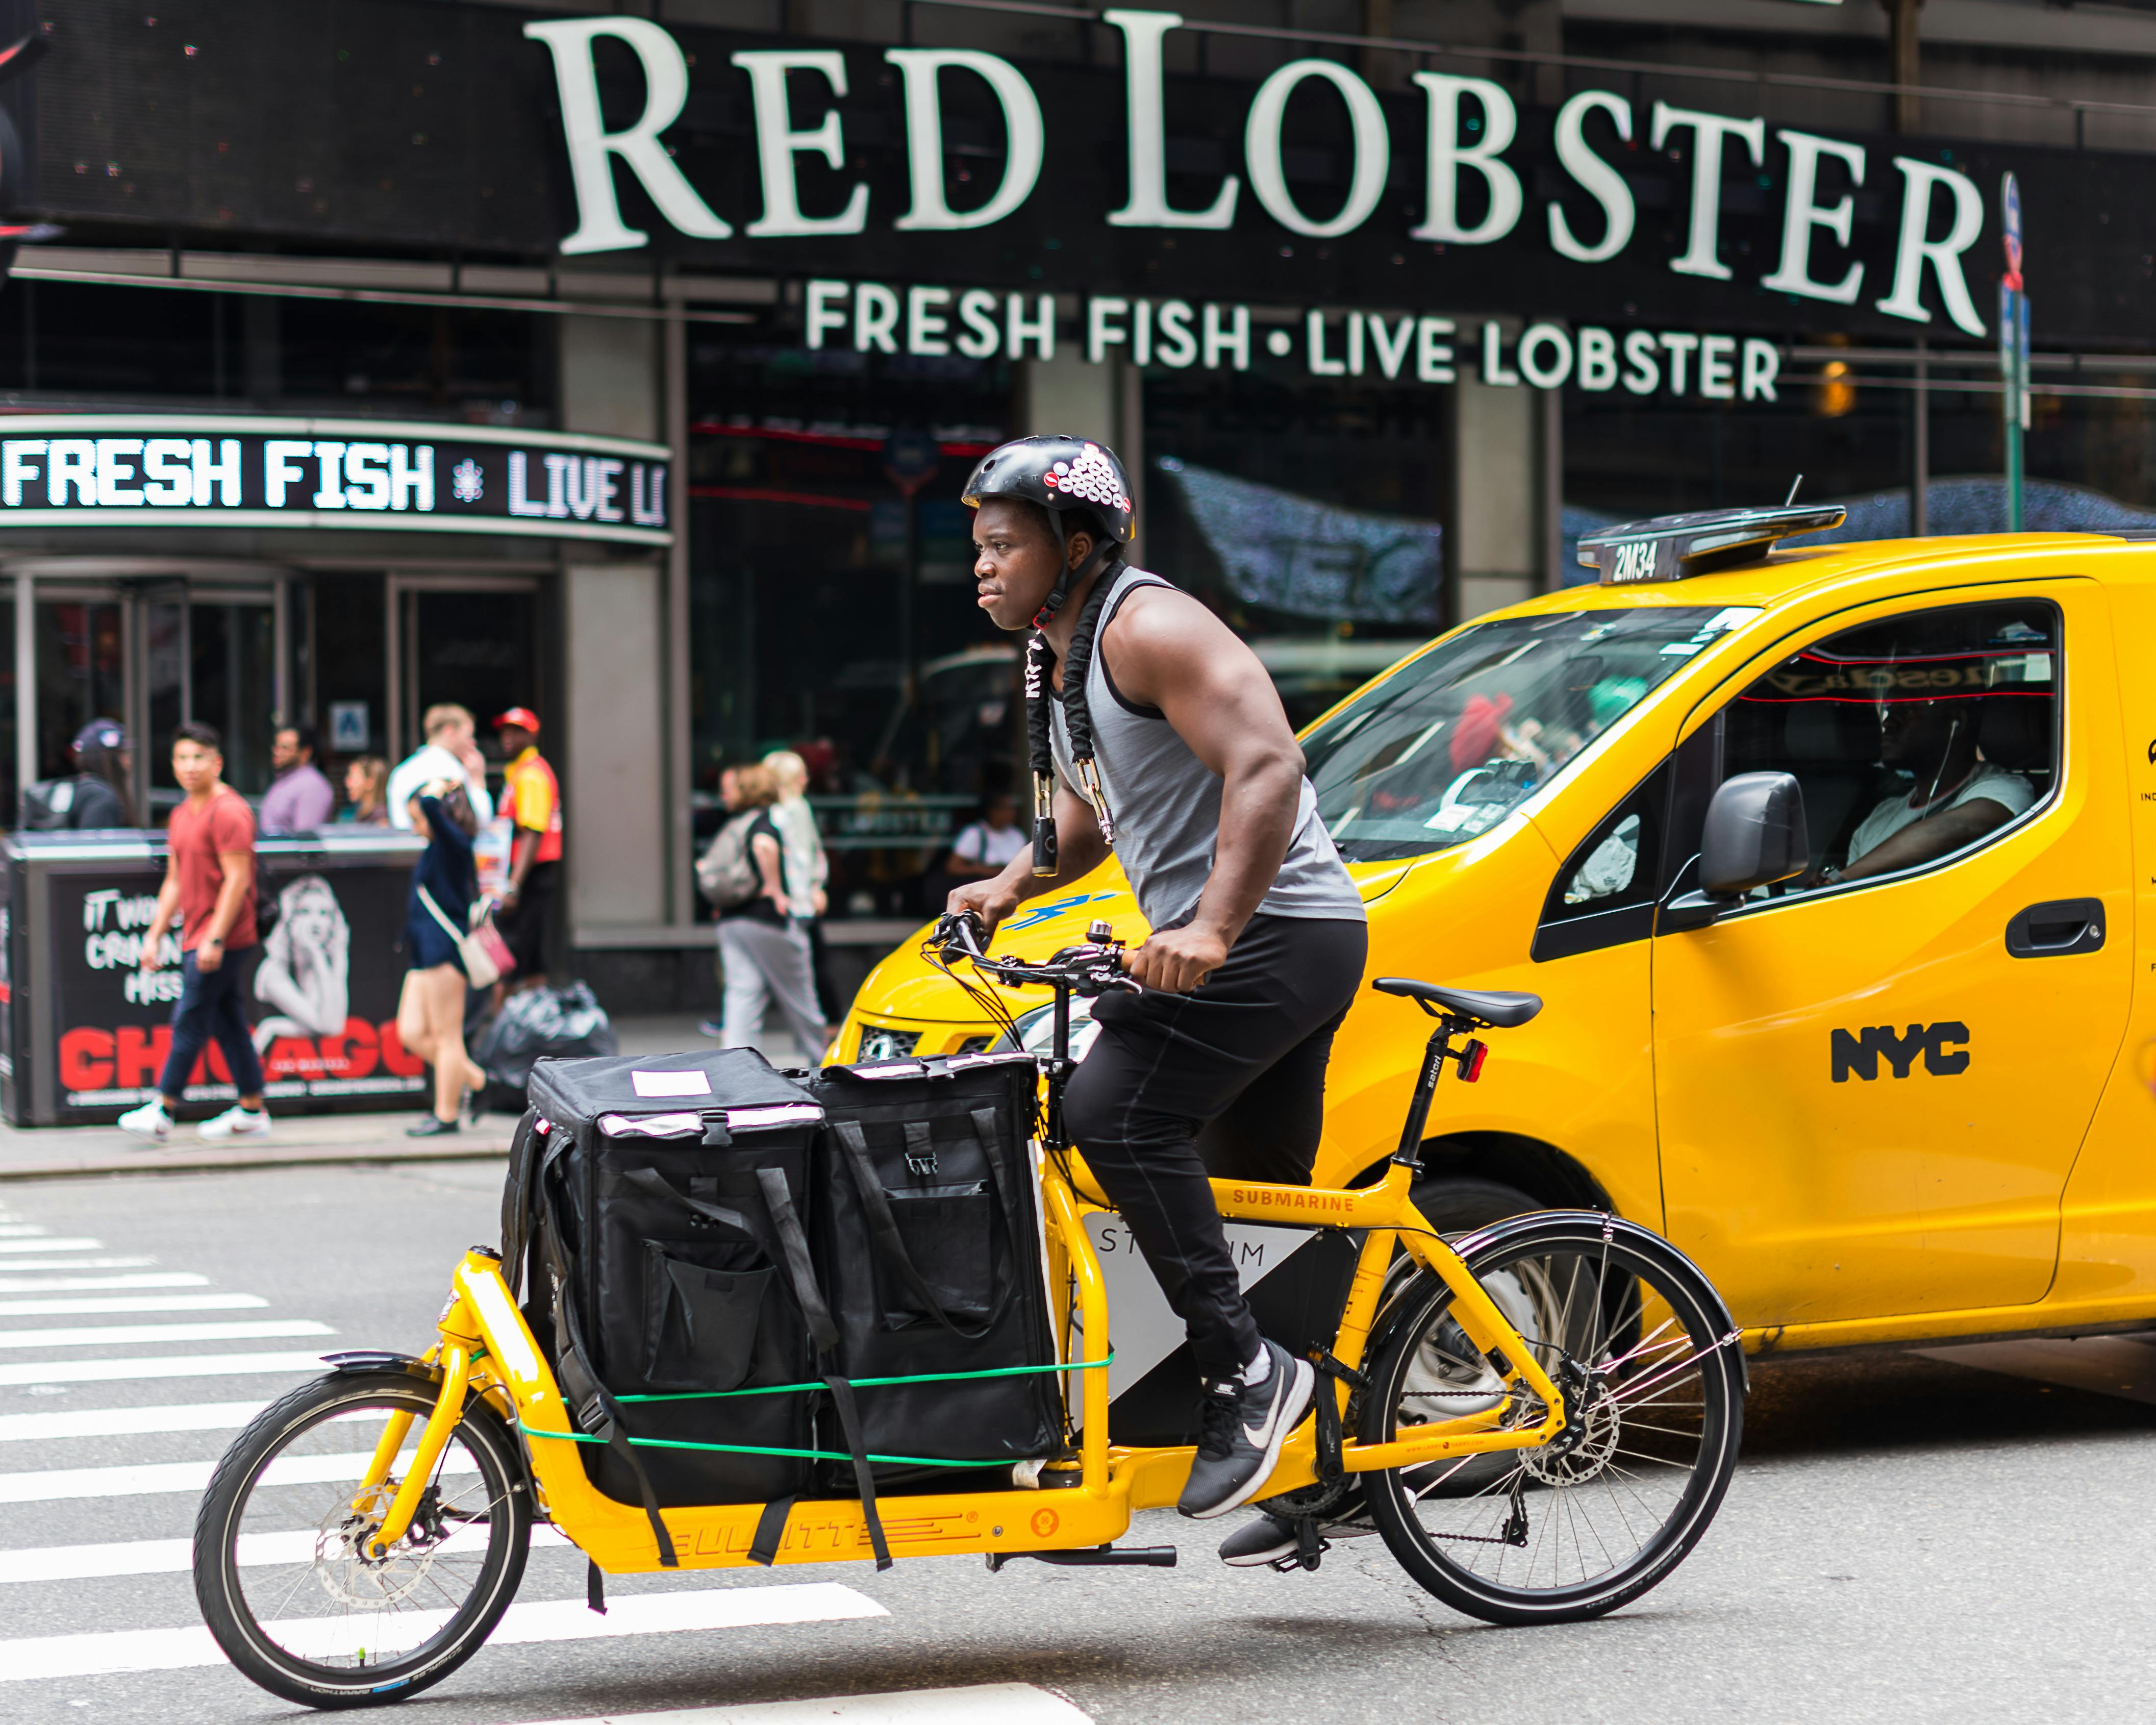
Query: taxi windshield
x: 1445, y: 749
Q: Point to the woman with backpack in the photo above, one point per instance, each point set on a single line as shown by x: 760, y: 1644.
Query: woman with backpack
x: 763, y: 950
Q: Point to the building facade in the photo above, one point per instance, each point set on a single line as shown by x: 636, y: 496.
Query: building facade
x: 626, y: 365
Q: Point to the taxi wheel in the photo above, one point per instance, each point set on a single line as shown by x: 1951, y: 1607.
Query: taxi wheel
x: 1457, y: 1206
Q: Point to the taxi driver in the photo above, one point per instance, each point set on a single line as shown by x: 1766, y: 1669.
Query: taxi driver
x: 1957, y: 798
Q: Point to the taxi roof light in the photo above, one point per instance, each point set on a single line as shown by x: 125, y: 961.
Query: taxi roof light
x: 1671, y: 547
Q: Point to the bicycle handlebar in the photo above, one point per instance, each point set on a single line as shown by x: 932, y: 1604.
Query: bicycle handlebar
x: 1095, y: 967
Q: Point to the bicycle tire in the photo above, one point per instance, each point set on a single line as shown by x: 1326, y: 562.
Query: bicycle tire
x: 1450, y: 1562
x: 222, y: 1595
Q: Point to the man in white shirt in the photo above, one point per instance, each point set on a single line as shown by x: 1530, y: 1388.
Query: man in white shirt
x: 450, y: 751
x: 1959, y: 796
x: 985, y: 848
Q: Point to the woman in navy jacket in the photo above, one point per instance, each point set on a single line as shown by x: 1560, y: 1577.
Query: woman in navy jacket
x: 430, y: 1015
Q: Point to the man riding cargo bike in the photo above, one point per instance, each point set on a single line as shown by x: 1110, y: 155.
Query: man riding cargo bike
x: 1156, y: 731
x: 745, y: 1316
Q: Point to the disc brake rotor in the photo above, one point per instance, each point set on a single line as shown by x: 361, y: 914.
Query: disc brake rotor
x: 349, y: 1576
x: 1592, y: 1427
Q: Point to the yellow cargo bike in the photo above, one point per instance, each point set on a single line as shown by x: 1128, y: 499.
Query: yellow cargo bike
x: 1541, y: 1418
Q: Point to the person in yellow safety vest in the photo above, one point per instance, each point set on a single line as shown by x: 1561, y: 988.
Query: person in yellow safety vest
x: 533, y: 797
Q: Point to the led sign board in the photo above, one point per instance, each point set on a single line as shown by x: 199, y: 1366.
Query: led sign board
x: 76, y: 469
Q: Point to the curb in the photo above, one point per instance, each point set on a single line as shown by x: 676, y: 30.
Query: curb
x: 187, y: 1162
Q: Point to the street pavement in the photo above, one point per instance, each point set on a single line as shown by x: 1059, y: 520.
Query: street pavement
x: 1909, y: 1538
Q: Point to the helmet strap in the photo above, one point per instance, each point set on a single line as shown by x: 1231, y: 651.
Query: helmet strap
x: 1066, y: 577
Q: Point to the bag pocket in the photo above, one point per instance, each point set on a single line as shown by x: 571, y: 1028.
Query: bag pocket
x: 701, y: 1321
x: 949, y: 1233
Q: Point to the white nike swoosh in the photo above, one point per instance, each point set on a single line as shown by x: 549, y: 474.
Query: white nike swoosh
x: 1261, y: 1433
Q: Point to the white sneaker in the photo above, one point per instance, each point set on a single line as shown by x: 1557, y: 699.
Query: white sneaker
x: 150, y: 1120
x: 237, y: 1122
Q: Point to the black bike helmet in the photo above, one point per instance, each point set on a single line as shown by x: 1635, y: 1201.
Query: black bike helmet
x: 1062, y: 474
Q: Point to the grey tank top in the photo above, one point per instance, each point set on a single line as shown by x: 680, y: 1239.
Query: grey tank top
x: 1166, y: 804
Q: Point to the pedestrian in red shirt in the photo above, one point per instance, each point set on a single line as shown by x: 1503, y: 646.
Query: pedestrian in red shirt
x: 209, y: 886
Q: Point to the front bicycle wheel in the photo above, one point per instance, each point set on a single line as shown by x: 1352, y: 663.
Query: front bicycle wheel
x: 280, y: 1565
x: 1642, y: 1349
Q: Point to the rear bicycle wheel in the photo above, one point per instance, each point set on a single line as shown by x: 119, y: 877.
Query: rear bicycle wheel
x: 279, y: 1568
x: 1641, y: 1347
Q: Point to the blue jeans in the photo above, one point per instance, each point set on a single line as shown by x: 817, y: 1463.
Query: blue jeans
x: 209, y: 1007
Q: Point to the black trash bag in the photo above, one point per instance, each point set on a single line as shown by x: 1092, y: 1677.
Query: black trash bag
x: 539, y: 1024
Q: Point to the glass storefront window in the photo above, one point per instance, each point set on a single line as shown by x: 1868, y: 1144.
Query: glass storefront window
x: 1849, y: 430
x: 1447, y: 748
x: 832, y: 613
x: 1307, y: 514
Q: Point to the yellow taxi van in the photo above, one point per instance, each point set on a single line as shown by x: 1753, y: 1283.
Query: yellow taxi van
x: 1892, y: 1084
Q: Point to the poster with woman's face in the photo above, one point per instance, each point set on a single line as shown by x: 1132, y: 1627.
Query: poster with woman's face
x: 304, y: 976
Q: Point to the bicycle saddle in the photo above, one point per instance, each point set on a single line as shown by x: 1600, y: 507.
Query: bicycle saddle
x: 1504, y: 1011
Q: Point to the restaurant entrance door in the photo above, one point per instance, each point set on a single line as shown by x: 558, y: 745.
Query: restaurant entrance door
x: 474, y: 639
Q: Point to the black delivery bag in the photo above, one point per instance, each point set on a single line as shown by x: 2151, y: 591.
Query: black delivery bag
x: 668, y: 1198
x: 930, y: 1250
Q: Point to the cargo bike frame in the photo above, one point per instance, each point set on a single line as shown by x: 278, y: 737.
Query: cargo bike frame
x: 1479, y: 1320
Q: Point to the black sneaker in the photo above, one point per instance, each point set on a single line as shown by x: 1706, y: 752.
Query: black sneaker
x: 1245, y: 1426
x: 1263, y: 1539
x: 1268, y: 1538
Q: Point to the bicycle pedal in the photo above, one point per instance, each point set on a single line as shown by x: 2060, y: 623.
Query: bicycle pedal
x: 1310, y: 1546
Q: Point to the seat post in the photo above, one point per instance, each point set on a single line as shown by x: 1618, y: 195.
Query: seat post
x: 1436, y: 1054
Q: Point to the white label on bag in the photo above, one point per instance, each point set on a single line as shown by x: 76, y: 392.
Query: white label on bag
x: 651, y: 1126
x: 670, y: 1084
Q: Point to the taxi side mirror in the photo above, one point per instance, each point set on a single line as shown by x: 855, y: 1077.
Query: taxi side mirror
x: 1754, y: 836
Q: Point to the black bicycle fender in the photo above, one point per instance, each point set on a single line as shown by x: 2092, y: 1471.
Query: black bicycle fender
x: 376, y: 1359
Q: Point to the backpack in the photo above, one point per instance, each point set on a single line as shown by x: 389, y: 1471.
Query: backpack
x: 48, y: 804
x: 727, y: 872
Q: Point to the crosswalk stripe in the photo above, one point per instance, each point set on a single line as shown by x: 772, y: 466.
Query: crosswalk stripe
x: 126, y: 1422
x: 144, y: 1479
x: 987, y: 1703
x: 115, y: 1651
x: 135, y: 1302
x: 108, y: 1335
x: 16, y: 1230
x: 122, y: 1371
x: 49, y: 1246
x: 64, y: 1284
x: 174, y: 1557
x: 23, y: 1264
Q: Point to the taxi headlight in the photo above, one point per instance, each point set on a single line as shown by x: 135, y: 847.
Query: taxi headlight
x: 1036, y: 1032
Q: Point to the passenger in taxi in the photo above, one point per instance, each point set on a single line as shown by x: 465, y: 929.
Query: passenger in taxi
x: 1957, y: 798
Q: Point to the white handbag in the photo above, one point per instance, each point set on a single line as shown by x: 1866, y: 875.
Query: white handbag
x: 484, y: 953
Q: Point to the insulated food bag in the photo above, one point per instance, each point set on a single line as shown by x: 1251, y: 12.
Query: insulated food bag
x: 929, y: 1250
x: 662, y: 1203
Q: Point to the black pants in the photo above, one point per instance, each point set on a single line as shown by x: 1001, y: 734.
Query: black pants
x: 212, y: 1005
x: 1246, y: 1055
x: 525, y: 928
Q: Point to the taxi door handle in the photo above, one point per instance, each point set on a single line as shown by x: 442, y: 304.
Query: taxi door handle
x: 2056, y: 928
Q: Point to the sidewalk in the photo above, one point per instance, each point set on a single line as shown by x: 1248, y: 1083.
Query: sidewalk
x: 62, y: 1151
